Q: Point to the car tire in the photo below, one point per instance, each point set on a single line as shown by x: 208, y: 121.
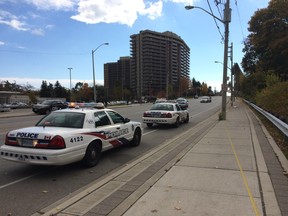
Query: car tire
x: 92, y: 155
x: 187, y: 119
x: 176, y: 124
x: 136, y: 138
x: 149, y: 125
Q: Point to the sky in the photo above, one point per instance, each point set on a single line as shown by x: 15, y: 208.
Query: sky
x: 41, y: 39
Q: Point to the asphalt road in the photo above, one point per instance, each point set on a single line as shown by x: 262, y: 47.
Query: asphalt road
x: 26, y: 189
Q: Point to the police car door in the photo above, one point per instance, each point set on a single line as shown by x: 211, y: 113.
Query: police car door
x: 105, y: 130
x: 123, y: 129
x: 180, y: 112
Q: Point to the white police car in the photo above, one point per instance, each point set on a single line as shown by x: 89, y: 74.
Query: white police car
x: 165, y: 113
x: 70, y: 135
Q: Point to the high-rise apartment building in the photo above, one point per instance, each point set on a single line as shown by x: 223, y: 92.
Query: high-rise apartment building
x: 160, y: 64
x: 117, y: 78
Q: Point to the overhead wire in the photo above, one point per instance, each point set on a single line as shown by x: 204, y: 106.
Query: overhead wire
x: 236, y: 4
x: 222, y: 37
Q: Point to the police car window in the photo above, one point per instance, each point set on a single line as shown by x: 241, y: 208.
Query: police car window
x: 178, y: 107
x: 101, y: 119
x: 63, y: 119
x: 116, y: 117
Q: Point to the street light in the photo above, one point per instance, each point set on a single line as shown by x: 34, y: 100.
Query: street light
x: 70, y: 81
x: 94, y: 85
x: 222, y: 64
x: 227, y: 19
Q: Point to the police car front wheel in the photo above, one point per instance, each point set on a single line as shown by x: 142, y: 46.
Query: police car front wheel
x: 136, y: 138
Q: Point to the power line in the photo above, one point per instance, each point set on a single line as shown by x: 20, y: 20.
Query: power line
x: 236, y: 4
x: 222, y: 37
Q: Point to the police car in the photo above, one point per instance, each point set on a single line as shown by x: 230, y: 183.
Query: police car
x: 165, y: 113
x: 70, y: 135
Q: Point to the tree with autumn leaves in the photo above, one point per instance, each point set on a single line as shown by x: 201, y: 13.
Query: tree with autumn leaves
x: 265, y: 61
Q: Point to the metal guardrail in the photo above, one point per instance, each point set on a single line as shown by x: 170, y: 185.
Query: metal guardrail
x: 277, y: 122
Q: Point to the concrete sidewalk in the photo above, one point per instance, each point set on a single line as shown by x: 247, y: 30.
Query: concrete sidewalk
x: 224, y: 174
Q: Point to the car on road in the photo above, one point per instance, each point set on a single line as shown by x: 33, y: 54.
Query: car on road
x: 205, y: 99
x: 70, y: 135
x: 48, y: 106
x: 165, y: 113
x: 183, y: 103
x: 4, y: 108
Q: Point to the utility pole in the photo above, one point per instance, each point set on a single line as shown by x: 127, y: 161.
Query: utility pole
x: 232, y: 73
x: 227, y: 19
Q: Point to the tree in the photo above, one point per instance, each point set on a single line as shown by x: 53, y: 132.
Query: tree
x: 86, y: 93
x: 266, y: 47
x: 59, y: 91
x: 44, y: 90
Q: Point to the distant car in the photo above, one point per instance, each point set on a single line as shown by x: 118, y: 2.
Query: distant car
x: 205, y: 99
x: 4, y: 108
x: 70, y: 135
x: 183, y: 103
x: 48, y: 106
x: 161, y: 100
x: 17, y: 105
x: 165, y: 113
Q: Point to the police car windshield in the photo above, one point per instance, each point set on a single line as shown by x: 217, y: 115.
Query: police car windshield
x: 63, y: 119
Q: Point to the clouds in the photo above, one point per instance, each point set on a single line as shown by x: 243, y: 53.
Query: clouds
x: 61, y: 5
x: 124, y: 12
x: 113, y: 11
x: 18, y: 23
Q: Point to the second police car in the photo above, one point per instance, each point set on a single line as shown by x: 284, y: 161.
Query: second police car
x: 169, y: 113
x: 70, y: 135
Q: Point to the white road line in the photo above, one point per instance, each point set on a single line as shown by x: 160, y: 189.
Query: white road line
x: 19, y: 180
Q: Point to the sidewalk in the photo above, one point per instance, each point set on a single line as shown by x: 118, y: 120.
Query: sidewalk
x: 224, y: 174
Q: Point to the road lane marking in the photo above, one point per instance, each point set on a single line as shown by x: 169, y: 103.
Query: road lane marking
x: 19, y: 180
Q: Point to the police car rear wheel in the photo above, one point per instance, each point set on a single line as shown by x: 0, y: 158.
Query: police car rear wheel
x: 136, y: 138
x: 176, y: 125
x: 92, y: 155
x: 187, y: 119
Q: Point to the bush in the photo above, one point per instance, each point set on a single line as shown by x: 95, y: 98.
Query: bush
x: 274, y: 99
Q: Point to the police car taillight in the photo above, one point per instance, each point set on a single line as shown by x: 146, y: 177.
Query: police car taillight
x: 146, y: 114
x: 168, y: 115
x: 10, y: 141
x: 57, y: 143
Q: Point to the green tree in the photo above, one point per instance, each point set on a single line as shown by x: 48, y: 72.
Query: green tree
x: 44, y: 90
x: 266, y: 46
x: 59, y: 91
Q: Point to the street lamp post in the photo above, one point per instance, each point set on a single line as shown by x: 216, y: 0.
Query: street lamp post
x: 70, y: 81
x: 227, y: 19
x: 94, y: 84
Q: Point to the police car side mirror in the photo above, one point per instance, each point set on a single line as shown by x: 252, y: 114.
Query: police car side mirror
x: 126, y: 120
